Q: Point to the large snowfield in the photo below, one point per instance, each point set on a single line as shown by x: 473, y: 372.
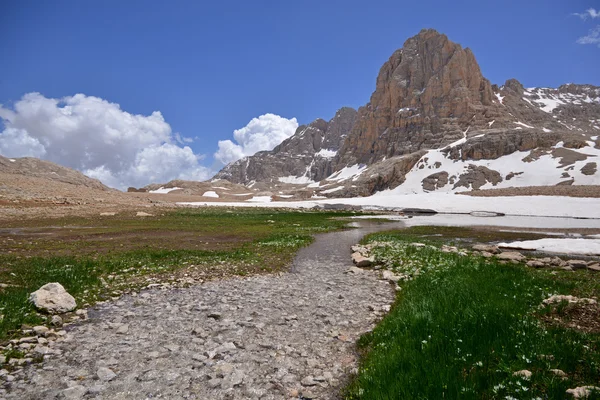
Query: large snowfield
x: 539, y: 206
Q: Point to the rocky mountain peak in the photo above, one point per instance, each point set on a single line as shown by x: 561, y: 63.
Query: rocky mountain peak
x: 426, y: 94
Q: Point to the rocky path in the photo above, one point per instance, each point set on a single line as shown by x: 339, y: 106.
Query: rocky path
x: 267, y: 337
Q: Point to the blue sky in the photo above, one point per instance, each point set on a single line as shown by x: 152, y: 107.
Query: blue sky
x: 211, y: 67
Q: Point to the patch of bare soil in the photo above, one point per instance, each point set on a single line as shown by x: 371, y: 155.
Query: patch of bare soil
x: 583, y: 317
x: 568, y: 191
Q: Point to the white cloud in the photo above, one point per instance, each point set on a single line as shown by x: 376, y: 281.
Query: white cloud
x: 98, y: 138
x: 593, y: 37
x: 262, y: 133
x: 589, y: 13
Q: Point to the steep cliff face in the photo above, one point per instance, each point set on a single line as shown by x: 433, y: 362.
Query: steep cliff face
x: 305, y: 157
x: 435, y: 123
x: 426, y: 95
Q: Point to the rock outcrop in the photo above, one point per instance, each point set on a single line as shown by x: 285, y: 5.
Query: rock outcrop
x: 305, y: 157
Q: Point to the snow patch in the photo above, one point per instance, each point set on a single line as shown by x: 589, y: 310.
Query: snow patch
x: 296, y: 180
x: 325, y: 153
x: 260, y: 199
x: 522, y: 124
x: 332, y: 190
x: 500, y: 98
x: 568, y: 246
x: 211, y: 193
x: 353, y: 172
x: 163, y: 190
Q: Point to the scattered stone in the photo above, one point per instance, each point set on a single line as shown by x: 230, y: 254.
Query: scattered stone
x: 308, y: 381
x: 361, y: 261
x: 582, y: 392
x: 559, y: 372
x: 74, y: 392
x: 594, y: 267
x: 535, y: 264
x: 558, y: 298
x: 40, y: 330
x: 105, y: 374
x: 53, y: 298
x: 354, y: 270
x: 577, y: 264
x: 488, y: 248
x: 524, y: 373
x: 390, y: 276
x: 514, y: 256
x: 56, y: 321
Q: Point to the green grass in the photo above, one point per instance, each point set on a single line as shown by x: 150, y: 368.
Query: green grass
x: 464, y: 325
x: 120, y: 253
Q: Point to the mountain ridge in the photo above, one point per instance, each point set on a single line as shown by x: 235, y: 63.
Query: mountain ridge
x: 429, y: 95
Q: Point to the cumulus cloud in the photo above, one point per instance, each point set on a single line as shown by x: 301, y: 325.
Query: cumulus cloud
x: 593, y: 37
x: 262, y: 133
x: 589, y: 13
x: 98, y: 138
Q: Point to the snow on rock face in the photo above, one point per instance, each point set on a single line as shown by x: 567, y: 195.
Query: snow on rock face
x: 325, y: 153
x: 547, y: 99
x: 345, y: 173
x: 211, y: 193
x: 296, y: 180
x: 436, y: 172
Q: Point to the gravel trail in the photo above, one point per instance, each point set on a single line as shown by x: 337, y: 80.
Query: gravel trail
x: 280, y: 336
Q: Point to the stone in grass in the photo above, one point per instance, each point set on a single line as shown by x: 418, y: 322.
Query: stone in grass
x: 53, y: 298
x: 488, y: 248
x: 582, y: 392
x: 511, y: 256
x: 524, y: 373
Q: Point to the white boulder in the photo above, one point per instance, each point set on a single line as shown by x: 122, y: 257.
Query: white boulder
x: 53, y: 298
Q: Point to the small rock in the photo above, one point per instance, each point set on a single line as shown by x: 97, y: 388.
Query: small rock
x: 582, y: 392
x: 535, y: 264
x: 214, y: 315
x: 594, y: 267
x: 488, y: 248
x: 524, y: 373
x: 511, y: 256
x: 354, y: 270
x: 308, y: 381
x: 40, y: 330
x: 390, y: 276
x: 577, y: 264
x: 74, y: 392
x: 53, y: 298
x: 105, y: 374
x: 361, y: 261
x: 108, y: 214
x: 123, y: 329
x: 142, y: 214
x: 56, y: 321
x: 559, y: 372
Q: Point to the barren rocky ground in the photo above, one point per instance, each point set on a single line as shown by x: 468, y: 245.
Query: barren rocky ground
x: 280, y: 336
